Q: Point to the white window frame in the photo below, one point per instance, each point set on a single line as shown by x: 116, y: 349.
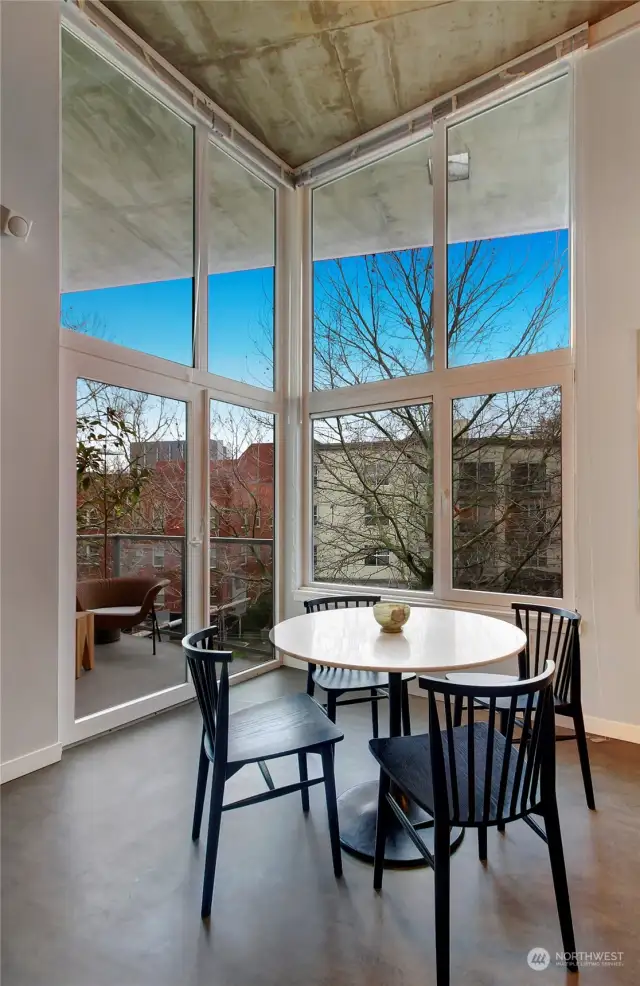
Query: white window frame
x: 441, y: 386
x: 86, y: 356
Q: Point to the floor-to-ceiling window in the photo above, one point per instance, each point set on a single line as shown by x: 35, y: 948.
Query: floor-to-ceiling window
x: 442, y: 370
x: 168, y: 294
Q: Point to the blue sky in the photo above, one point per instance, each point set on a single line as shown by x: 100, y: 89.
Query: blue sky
x: 156, y: 317
x: 516, y: 268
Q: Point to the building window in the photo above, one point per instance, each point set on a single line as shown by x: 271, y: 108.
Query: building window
x: 402, y: 506
x: 315, y: 514
x: 378, y: 558
x: 158, y: 556
x: 374, y: 513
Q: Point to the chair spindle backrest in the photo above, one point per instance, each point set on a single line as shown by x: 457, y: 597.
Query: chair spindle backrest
x: 338, y: 602
x: 209, y: 669
x: 552, y: 635
x: 481, y: 776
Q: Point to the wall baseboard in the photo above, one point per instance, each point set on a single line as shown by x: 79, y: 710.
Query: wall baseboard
x: 30, y: 762
x: 627, y: 731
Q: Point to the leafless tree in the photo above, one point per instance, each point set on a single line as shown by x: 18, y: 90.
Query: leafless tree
x: 374, y: 320
x: 123, y: 486
x: 241, y: 509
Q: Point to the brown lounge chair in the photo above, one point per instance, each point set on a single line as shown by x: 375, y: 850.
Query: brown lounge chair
x: 120, y: 604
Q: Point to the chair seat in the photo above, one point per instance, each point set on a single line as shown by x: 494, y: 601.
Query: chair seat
x: 347, y: 680
x: 407, y: 760
x: 126, y: 612
x: 277, y: 729
x: 479, y: 680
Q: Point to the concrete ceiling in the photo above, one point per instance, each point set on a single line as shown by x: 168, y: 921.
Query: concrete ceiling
x: 306, y: 75
x: 127, y: 186
x: 127, y: 161
x: 518, y: 183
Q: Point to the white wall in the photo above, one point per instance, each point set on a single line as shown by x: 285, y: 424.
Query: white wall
x: 29, y: 387
x: 607, y: 210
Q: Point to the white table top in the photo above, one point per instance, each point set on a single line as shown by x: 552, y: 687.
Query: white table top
x: 433, y: 640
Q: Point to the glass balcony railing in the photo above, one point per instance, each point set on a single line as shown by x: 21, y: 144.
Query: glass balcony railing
x: 241, y: 595
x: 161, y: 555
x: 241, y: 583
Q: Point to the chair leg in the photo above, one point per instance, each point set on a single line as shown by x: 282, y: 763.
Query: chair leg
x: 332, y: 701
x: 503, y: 726
x: 556, y: 857
x: 153, y: 630
x: 583, y: 751
x: 304, y: 776
x: 406, y: 713
x: 374, y: 713
x: 213, y: 836
x: 457, y: 710
x: 332, y: 807
x: 482, y: 843
x: 442, y: 858
x: 201, y: 790
x: 381, y: 829
x: 311, y: 685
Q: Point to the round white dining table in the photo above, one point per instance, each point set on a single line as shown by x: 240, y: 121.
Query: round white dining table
x: 433, y: 641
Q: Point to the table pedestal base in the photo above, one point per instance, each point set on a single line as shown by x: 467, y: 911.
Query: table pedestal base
x: 358, y: 810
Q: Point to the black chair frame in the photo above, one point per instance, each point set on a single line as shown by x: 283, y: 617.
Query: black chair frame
x: 378, y: 694
x: 477, y: 777
x: 565, y: 654
x: 212, y: 690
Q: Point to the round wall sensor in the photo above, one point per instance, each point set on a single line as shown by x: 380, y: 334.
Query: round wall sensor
x: 13, y: 224
x: 18, y: 226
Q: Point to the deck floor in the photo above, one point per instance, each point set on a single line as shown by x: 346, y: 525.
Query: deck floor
x: 128, y: 669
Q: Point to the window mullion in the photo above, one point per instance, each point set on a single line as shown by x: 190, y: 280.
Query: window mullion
x: 201, y: 249
x: 440, y: 189
x: 441, y: 409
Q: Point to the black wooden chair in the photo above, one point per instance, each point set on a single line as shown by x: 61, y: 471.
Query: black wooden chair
x: 338, y: 681
x: 280, y: 728
x: 475, y: 776
x: 540, y: 623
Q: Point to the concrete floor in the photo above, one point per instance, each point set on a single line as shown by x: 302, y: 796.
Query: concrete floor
x: 128, y: 669
x: 101, y: 883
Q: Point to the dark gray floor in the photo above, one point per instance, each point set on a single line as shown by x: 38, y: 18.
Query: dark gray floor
x: 101, y: 884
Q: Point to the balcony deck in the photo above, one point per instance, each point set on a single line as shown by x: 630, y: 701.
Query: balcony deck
x: 127, y: 670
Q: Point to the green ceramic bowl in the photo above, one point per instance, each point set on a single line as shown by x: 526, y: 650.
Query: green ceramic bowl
x: 391, y: 616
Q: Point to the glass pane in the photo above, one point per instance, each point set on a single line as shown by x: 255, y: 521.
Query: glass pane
x: 373, y: 498
x: 241, y: 492
x: 127, y: 211
x: 242, y: 272
x: 508, y: 253
x: 373, y: 272
x: 507, y: 492
x: 131, y: 508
